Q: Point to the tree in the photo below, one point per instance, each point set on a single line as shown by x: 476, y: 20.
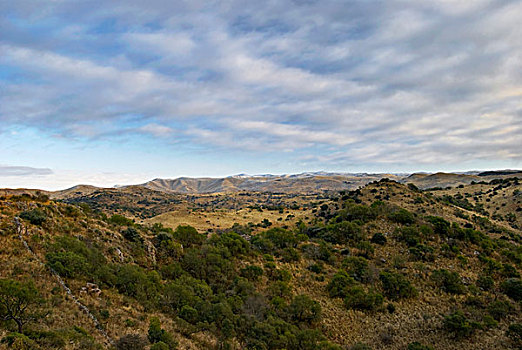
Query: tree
x: 19, y: 302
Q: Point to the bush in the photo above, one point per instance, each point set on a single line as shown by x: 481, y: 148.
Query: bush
x: 357, y: 267
x: 120, y: 220
x: 360, y: 346
x: 132, y: 235
x: 131, y: 342
x: 303, y: 309
x: 499, y: 309
x: 357, y: 298
x: 159, y: 337
x: 485, y: 282
x: 512, y: 287
x: 458, y: 324
x: 514, y: 333
x: 396, y: 286
x: 339, y: 284
x: 449, y: 282
x: 252, y: 272
x: 378, y: 238
x: 402, y: 216
x: 34, y: 216
x: 188, y: 236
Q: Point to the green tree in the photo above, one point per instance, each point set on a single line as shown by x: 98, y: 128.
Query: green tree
x: 19, y: 302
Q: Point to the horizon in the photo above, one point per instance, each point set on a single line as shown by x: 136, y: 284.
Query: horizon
x: 119, y: 185
x: 110, y: 93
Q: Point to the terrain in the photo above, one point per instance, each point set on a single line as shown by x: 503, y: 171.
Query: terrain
x: 423, y: 261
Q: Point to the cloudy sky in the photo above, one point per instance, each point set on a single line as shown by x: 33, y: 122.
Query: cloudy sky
x: 117, y: 92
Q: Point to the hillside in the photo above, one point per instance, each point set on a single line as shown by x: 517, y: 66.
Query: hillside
x: 387, y: 265
x: 300, y: 183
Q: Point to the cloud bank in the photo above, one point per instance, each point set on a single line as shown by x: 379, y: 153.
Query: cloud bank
x: 325, y: 82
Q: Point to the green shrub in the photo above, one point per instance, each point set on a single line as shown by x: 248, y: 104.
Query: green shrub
x: 396, y: 286
x: 188, y: 236
x: 357, y: 298
x: 499, y: 309
x: 132, y: 235
x: 448, y: 281
x: 409, y: 235
x: 512, y: 287
x: 131, y: 342
x: 303, y: 309
x: 339, y: 284
x: 252, y: 272
x: 34, y: 216
x: 485, y: 282
x: 402, y: 216
x: 459, y: 325
x: 357, y: 267
x: 378, y: 238
x: 120, y: 220
x: 514, y: 333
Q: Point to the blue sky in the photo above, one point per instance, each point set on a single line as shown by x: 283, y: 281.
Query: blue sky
x: 119, y: 92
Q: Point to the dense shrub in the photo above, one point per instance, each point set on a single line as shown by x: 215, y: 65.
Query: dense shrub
x: 339, y: 284
x: 131, y: 342
x: 396, y: 286
x: 357, y: 267
x: 359, y: 299
x: 132, y: 235
x: 485, y: 282
x: 514, y: 333
x: 121, y: 220
x: 448, y: 281
x: 160, y: 338
x: 342, y: 232
x: 34, y: 216
x: 499, y: 309
x: 302, y: 309
x: 378, y: 238
x: 459, y: 325
x: 409, y: 235
x: 252, y: 272
x: 512, y: 287
x: 402, y: 216
x: 188, y: 236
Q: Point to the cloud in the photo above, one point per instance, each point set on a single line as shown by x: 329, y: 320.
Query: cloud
x: 6, y: 170
x: 336, y: 82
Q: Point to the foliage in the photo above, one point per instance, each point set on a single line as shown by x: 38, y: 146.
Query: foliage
x: 514, y: 333
x: 396, y: 286
x: 19, y: 302
x: 459, y: 325
x: 303, y: 309
x: 512, y: 287
x: 159, y: 337
x: 402, y: 216
x: 359, y: 299
x: 34, y: 216
x: 120, y: 220
x: 188, y: 236
x: 378, y: 238
x: 448, y: 281
x: 338, y: 285
x: 131, y: 342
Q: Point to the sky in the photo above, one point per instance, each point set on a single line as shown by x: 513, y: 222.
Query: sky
x: 120, y: 92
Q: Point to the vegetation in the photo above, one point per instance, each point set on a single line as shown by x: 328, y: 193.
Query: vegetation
x: 352, y: 260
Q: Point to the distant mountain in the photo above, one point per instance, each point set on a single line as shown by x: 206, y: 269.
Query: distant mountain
x: 299, y: 183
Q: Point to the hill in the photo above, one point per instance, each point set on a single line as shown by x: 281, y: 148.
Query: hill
x: 385, y: 266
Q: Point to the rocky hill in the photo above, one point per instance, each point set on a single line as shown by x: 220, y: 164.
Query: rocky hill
x: 386, y: 266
